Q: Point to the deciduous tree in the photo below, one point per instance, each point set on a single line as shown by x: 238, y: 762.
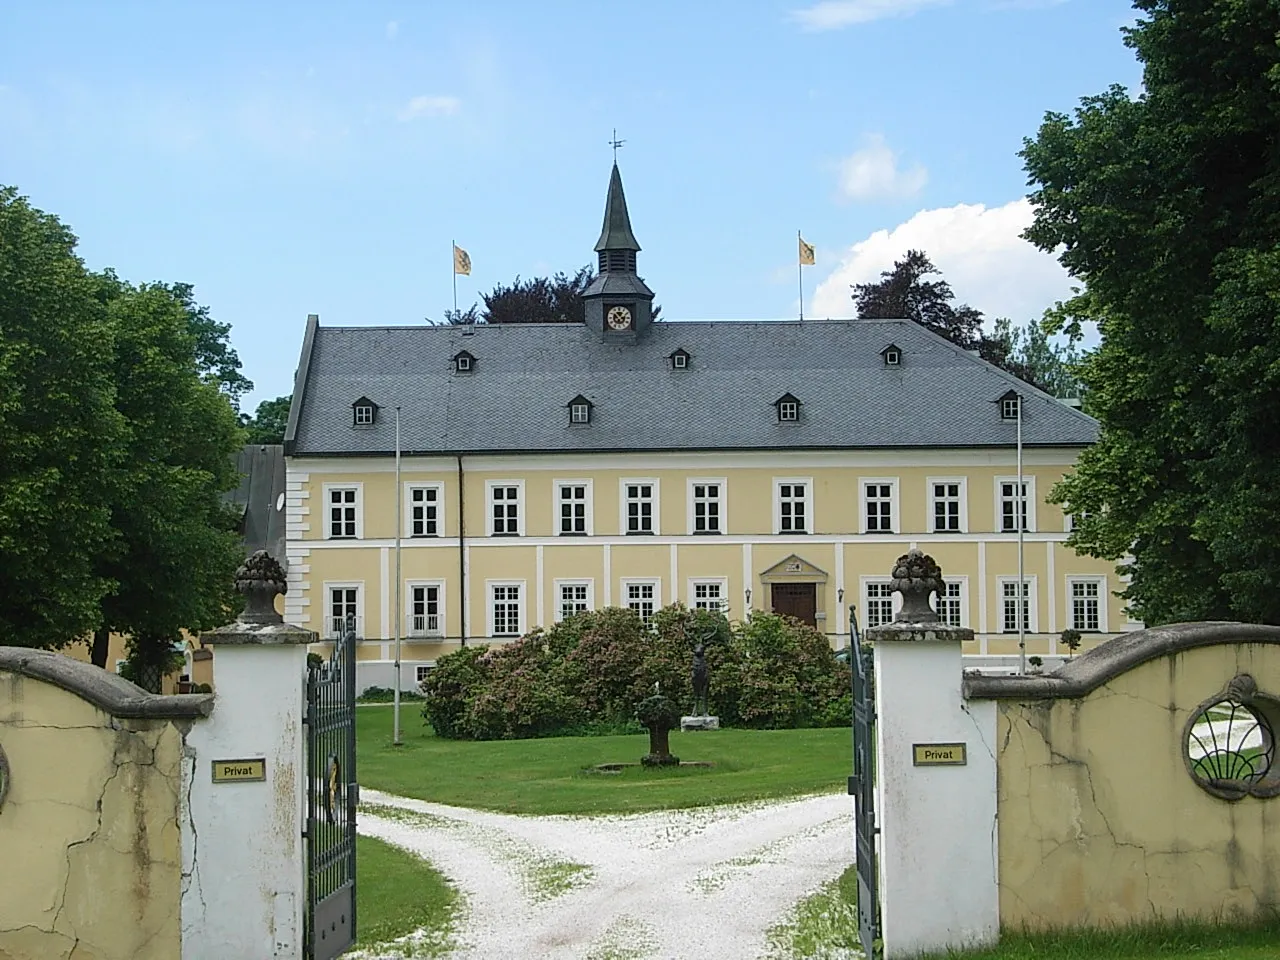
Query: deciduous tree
x: 1167, y: 207
x: 268, y: 423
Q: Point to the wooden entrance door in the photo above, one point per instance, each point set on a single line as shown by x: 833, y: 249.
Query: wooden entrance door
x: 799, y: 600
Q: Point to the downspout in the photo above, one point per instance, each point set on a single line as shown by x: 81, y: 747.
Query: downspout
x: 462, y: 551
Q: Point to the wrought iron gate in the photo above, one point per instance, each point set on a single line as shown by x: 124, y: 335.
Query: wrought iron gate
x: 330, y: 923
x: 862, y: 786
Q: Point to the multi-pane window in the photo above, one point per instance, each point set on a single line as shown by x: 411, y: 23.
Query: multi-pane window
x: 424, y: 511
x: 343, y: 602
x: 574, y: 598
x: 951, y: 604
x: 505, y: 610
x: 342, y: 511
x: 642, y: 598
x: 580, y: 413
x: 946, y: 506
x: 792, y: 512
x: 706, y: 507
x: 639, y: 504
x: 363, y: 415
x: 505, y: 502
x: 1011, y: 505
x: 1009, y: 407
x: 424, y: 610
x: 879, y: 507
x: 1009, y: 606
x: 708, y: 595
x: 879, y: 604
x: 572, y: 501
x: 422, y: 671
x: 788, y: 411
x: 1086, y: 610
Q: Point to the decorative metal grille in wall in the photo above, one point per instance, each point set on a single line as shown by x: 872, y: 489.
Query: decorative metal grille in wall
x: 332, y: 794
x: 1230, y: 745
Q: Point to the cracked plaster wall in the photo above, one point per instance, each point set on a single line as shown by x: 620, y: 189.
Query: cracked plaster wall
x: 1099, y: 821
x: 90, y: 867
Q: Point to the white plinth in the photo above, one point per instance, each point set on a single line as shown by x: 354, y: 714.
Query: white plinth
x: 688, y: 724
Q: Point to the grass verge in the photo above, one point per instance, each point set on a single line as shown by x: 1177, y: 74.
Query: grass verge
x: 822, y: 926
x: 550, y: 776
x: 398, y: 894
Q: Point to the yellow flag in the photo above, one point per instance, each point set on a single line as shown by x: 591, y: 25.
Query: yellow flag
x: 806, y: 253
x: 461, y: 261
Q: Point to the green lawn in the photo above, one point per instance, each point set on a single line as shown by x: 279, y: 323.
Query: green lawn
x: 549, y: 776
x: 399, y: 893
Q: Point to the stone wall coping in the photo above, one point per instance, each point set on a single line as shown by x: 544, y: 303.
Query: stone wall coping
x: 1085, y: 673
x: 905, y: 632
x: 107, y: 691
x: 264, y: 634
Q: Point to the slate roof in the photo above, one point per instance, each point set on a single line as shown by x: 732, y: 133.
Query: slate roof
x: 260, y: 498
x: 514, y: 400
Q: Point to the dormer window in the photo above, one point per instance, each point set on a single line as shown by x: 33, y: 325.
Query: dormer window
x: 788, y: 408
x: 680, y: 359
x: 579, y: 410
x: 1009, y: 405
x: 892, y: 356
x: 463, y: 362
x: 364, y: 412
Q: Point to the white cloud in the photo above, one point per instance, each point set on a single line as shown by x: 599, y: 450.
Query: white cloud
x: 872, y: 173
x: 978, y: 251
x: 837, y: 14
x: 393, y: 27
x: 429, y: 106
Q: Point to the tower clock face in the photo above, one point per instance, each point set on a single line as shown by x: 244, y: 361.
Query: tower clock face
x: 619, y: 318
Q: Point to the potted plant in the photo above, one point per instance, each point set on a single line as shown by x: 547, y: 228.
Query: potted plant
x: 1036, y: 663
x: 1071, y: 640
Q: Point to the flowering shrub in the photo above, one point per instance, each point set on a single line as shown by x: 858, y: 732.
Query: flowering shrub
x: 589, y: 671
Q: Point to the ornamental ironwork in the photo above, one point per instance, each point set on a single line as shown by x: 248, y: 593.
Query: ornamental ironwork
x: 1229, y: 743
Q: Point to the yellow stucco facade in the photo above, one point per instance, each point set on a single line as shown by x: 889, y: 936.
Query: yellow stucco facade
x: 105, y: 792
x: 345, y: 561
x: 1100, y: 821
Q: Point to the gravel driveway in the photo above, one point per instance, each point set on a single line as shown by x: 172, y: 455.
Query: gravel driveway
x: 699, y: 884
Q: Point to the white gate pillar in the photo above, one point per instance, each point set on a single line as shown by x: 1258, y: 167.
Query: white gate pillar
x: 243, y: 856
x: 936, y: 780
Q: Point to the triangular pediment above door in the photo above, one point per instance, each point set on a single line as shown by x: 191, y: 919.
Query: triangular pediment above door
x: 794, y: 568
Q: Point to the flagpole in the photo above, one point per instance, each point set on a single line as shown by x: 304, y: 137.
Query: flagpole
x: 399, y: 608
x: 800, y: 273
x: 1023, y: 601
x: 453, y: 256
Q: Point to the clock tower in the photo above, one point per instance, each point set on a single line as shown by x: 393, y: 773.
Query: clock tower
x: 618, y: 303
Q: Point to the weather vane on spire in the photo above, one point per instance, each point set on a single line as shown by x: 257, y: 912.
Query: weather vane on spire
x: 616, y: 143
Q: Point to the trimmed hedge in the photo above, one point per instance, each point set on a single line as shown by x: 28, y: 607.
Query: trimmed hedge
x: 588, y: 672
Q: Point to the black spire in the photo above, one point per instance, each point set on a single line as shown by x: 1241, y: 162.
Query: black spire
x: 617, y: 246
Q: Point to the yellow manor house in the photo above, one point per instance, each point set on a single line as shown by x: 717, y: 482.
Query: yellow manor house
x: 552, y: 468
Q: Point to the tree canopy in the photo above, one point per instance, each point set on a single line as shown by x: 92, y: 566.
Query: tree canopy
x: 905, y: 292
x: 555, y: 299
x: 268, y: 423
x: 1167, y: 207
x: 118, y: 431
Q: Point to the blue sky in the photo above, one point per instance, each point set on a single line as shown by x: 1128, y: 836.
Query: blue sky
x: 291, y: 158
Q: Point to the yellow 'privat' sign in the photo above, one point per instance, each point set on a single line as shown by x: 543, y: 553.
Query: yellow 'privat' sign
x: 939, y: 755
x: 239, y: 771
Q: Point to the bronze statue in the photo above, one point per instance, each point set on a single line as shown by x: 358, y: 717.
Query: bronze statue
x: 701, y: 681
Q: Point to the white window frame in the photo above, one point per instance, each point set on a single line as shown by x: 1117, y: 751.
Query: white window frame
x: 892, y: 357
x: 408, y: 608
x: 1005, y: 407
x: 358, y: 487
x: 1029, y: 481
x: 788, y: 411
x: 523, y: 601
x: 1033, y: 612
x: 865, y: 600
x: 722, y: 504
x: 326, y: 622
x: 462, y: 363
x: 721, y: 582
x: 573, y: 582
x: 654, y: 582
x: 589, y: 504
x: 963, y: 583
x: 679, y: 361
x: 438, y: 487
x: 422, y: 670
x: 1068, y: 520
x: 895, y: 519
x: 933, y: 499
x: 652, y: 482
x: 489, y: 487
x: 365, y: 409
x: 807, y: 499
x: 579, y: 413
x: 1069, y: 618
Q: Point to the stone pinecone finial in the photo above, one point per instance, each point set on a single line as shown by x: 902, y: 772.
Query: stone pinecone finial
x: 916, y: 575
x: 260, y: 578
